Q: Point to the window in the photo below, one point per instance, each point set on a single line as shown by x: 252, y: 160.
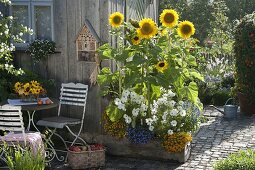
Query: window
x: 35, y: 14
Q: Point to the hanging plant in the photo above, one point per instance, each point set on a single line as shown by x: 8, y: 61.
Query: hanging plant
x: 41, y: 49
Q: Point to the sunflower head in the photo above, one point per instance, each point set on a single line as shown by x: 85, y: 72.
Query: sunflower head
x: 116, y: 19
x: 148, y: 28
x: 161, y: 66
x: 136, y: 40
x: 186, y: 29
x: 169, y: 18
x: 27, y: 88
x: 17, y: 86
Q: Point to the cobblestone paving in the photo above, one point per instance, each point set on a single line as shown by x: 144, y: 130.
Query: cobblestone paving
x: 216, y: 139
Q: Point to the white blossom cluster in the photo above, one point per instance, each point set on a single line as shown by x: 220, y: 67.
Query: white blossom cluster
x: 5, y: 47
x: 8, y: 2
x: 166, y: 111
x: 133, y: 100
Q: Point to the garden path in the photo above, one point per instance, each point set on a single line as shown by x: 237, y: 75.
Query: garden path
x: 216, y: 139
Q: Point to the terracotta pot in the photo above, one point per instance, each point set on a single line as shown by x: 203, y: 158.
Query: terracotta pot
x: 246, y: 107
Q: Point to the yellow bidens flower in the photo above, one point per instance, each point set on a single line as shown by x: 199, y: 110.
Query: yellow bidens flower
x: 169, y: 18
x: 161, y: 66
x: 136, y: 40
x: 116, y: 19
x: 148, y: 28
x: 186, y: 29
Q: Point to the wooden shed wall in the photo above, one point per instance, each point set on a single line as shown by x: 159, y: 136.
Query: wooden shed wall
x: 69, y: 17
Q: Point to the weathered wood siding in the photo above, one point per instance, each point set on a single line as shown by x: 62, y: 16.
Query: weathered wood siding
x: 63, y: 67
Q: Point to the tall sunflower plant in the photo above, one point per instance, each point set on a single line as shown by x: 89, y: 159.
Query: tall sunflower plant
x: 156, y: 74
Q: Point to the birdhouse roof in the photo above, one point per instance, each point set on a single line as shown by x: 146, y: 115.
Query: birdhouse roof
x: 91, y: 30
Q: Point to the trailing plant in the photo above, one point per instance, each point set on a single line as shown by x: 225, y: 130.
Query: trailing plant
x: 244, y: 48
x: 41, y: 49
x: 156, y: 70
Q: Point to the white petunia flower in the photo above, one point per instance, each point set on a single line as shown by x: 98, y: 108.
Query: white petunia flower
x: 181, y: 103
x: 174, y: 112
x: 135, y: 112
x: 117, y: 101
x: 172, y: 103
x: 173, y: 123
x: 171, y: 94
x: 149, y: 121
x: 183, y: 113
x: 128, y: 120
x: 144, y: 107
x: 121, y: 106
x: 170, y: 132
x: 151, y: 128
x: 154, y: 118
x: 179, y: 108
x: 124, y: 99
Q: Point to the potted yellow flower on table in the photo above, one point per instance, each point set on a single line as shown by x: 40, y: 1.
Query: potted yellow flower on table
x: 153, y: 91
x: 29, y: 91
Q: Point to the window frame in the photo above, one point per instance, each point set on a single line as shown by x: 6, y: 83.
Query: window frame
x: 31, y: 16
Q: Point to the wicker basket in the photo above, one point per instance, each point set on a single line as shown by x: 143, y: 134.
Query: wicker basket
x: 86, y: 159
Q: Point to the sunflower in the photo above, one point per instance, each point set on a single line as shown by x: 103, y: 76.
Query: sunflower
x: 186, y: 29
x: 27, y: 89
x: 35, y: 84
x: 148, y: 28
x: 169, y: 18
x: 17, y: 86
x: 116, y: 19
x: 161, y: 66
x: 136, y: 40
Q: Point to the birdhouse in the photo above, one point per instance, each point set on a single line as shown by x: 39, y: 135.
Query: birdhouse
x: 87, y: 41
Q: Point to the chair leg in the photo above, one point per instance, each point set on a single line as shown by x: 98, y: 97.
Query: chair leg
x: 51, y: 151
x: 76, y: 136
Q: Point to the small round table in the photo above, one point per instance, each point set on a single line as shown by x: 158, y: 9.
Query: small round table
x: 31, y: 109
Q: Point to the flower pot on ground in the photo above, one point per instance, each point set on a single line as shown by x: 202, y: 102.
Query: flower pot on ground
x: 244, y: 48
x: 246, y: 106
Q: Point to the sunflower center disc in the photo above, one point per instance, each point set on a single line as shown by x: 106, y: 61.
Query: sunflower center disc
x: 146, y: 29
x: 116, y: 19
x: 186, y: 29
x: 161, y: 64
x: 169, y: 18
x: 136, y: 38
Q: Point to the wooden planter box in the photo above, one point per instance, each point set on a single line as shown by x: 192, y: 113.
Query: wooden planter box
x: 152, y: 150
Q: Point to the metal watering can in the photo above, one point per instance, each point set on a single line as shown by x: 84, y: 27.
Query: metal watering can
x: 230, y: 110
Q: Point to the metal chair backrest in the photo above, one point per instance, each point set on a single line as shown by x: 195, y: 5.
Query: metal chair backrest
x: 11, y: 119
x: 74, y: 95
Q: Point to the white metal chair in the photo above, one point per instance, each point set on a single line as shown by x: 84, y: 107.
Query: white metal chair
x: 73, y: 95
x: 11, y: 122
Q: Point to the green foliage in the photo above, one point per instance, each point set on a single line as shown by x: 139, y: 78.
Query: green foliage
x: 41, y: 49
x: 220, y: 37
x: 20, y: 158
x: 244, y: 160
x: 244, y: 48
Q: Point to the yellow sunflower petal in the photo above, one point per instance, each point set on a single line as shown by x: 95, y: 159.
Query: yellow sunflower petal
x: 169, y: 18
x: 161, y: 66
x: 186, y: 29
x: 148, y: 28
x: 116, y: 19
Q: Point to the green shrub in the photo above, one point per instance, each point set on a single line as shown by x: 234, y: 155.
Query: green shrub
x: 244, y: 48
x: 244, y: 160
